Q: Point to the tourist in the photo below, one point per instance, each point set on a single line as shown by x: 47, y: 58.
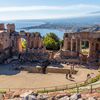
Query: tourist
x: 92, y: 75
x: 67, y: 75
x: 88, y: 77
x: 44, y: 69
x: 44, y: 66
x: 70, y: 75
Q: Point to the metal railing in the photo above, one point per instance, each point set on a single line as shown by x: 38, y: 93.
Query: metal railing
x: 71, y: 88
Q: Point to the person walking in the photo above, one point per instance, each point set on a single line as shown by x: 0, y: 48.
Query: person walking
x: 88, y: 77
x: 67, y: 75
x: 70, y: 76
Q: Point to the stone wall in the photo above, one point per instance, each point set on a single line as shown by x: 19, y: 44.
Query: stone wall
x: 4, y: 55
x: 10, y: 28
x: 73, y: 45
x: 48, y: 70
x: 35, y: 49
x: 11, y: 42
x: 2, y: 27
x: 67, y: 54
x: 7, y: 39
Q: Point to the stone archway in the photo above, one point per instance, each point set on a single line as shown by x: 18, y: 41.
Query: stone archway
x: 22, y: 44
x: 85, y: 47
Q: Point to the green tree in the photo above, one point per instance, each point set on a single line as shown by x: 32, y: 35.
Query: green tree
x: 51, y: 41
x: 24, y: 43
x: 53, y: 36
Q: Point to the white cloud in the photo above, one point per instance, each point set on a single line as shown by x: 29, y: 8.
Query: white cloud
x: 43, y: 12
x: 31, y: 8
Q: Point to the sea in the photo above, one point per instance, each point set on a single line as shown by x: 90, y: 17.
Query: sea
x: 83, y: 21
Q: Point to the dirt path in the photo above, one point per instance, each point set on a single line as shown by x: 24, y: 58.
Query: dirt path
x: 23, y: 79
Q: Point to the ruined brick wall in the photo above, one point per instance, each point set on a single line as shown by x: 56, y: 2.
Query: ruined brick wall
x: 10, y: 28
x: 2, y: 27
x: 6, y: 42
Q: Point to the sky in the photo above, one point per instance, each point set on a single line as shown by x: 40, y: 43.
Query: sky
x: 48, y: 9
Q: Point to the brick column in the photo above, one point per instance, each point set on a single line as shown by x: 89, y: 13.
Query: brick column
x: 36, y: 42
x: 19, y: 45
x: 65, y: 44
x: 76, y: 45
x: 91, y: 49
x: 80, y: 45
x: 71, y: 46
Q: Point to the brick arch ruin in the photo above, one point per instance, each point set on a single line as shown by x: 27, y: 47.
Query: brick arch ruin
x: 72, y: 47
x: 34, y: 41
x: 35, y: 49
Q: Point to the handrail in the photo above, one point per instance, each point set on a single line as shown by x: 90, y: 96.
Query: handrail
x: 56, y: 88
x: 76, y: 85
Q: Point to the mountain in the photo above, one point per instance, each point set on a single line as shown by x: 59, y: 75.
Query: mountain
x: 96, y: 12
x: 69, y: 22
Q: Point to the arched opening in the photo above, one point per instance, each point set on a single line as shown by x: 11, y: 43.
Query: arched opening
x: 24, y: 44
x: 85, y: 47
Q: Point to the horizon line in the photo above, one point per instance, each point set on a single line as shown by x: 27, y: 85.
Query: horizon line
x: 72, y: 17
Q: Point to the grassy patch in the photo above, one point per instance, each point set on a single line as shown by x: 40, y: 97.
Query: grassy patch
x: 2, y: 91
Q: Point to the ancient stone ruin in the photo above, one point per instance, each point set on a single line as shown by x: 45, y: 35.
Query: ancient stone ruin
x: 7, y: 41
x: 72, y: 47
x: 35, y: 51
x: 11, y: 44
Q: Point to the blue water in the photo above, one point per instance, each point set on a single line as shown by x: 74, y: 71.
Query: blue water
x: 28, y: 23
x: 45, y: 31
x: 69, y: 22
x: 24, y: 23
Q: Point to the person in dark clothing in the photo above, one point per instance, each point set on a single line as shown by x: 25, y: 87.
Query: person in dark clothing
x: 88, y: 77
x: 44, y: 66
x: 70, y: 75
x: 44, y: 69
x: 67, y: 75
